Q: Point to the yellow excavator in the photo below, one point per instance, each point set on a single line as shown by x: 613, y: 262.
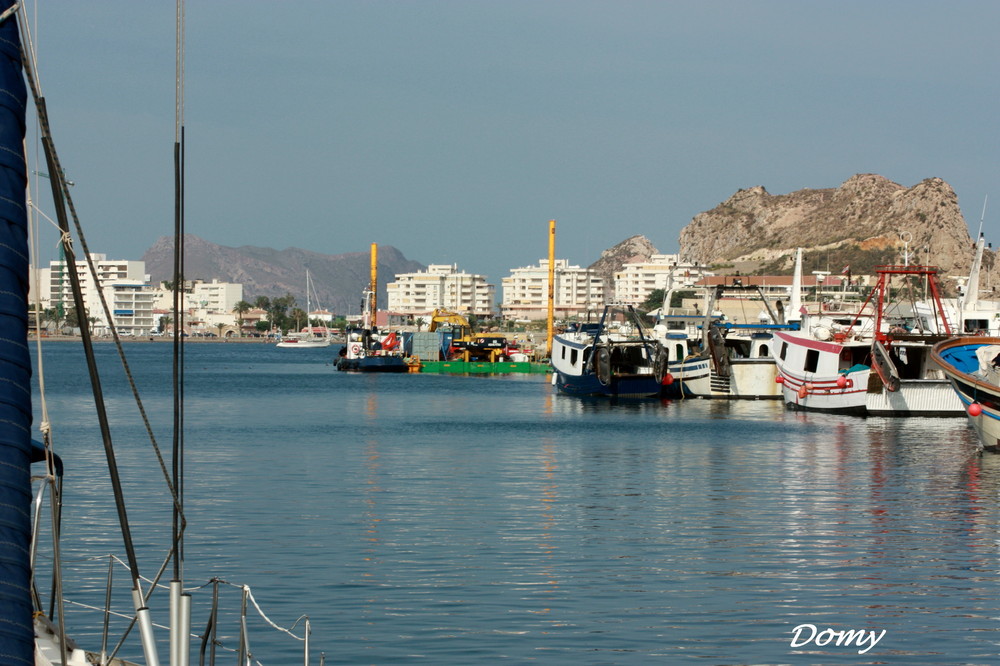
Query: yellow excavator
x: 465, y: 344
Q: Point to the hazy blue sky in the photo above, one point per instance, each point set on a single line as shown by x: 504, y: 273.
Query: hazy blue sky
x: 454, y: 130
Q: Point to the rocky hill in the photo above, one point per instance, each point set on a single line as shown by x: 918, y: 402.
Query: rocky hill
x: 338, y: 279
x: 868, y: 220
x: 631, y: 250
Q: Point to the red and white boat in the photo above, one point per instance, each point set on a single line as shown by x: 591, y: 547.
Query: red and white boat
x: 871, y: 366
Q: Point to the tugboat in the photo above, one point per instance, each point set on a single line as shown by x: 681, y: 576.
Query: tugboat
x: 365, y: 350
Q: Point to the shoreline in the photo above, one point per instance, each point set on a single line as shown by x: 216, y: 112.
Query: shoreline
x: 155, y: 339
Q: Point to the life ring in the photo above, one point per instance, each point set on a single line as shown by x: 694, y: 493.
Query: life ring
x: 355, y: 349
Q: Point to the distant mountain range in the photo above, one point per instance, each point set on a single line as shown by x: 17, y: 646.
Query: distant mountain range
x: 338, y: 279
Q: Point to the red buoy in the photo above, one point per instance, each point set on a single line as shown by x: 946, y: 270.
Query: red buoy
x: 975, y: 409
x: 803, y: 392
x: 779, y: 379
x: 842, y: 382
x: 668, y: 379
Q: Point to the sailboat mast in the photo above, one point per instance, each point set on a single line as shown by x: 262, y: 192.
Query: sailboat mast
x: 180, y: 602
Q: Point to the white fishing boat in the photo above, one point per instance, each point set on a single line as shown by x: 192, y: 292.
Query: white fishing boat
x: 872, y: 365
x: 742, y: 365
x: 36, y: 626
x: 684, y: 363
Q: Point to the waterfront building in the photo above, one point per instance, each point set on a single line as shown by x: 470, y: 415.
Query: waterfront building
x: 125, y: 286
x: 578, y: 292
x: 635, y: 282
x: 441, y: 287
x: 206, y: 305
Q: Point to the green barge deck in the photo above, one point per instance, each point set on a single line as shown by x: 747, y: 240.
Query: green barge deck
x: 484, y: 367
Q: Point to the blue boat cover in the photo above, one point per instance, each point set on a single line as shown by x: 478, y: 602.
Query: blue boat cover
x: 16, y: 631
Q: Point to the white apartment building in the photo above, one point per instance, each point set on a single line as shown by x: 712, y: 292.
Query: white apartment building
x: 634, y: 282
x: 578, y: 291
x: 442, y: 287
x: 125, y: 285
x: 136, y: 306
x: 206, y: 305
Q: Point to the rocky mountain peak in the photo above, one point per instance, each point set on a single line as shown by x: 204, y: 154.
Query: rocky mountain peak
x: 868, y: 215
x: 631, y: 250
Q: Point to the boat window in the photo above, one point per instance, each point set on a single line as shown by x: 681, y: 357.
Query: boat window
x: 784, y: 348
x: 812, y: 360
x: 764, y: 352
x: 973, y: 325
x: 572, y: 356
x: 680, y: 352
x: 564, y: 353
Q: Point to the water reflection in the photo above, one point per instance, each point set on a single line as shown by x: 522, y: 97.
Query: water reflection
x: 450, y: 520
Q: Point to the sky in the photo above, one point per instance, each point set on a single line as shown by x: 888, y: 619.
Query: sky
x: 455, y: 130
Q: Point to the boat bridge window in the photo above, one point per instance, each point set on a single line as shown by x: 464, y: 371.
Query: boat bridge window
x: 973, y: 325
x: 784, y: 348
x: 812, y: 360
x: 572, y: 356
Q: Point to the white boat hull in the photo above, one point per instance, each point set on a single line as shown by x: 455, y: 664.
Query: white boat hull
x: 916, y: 397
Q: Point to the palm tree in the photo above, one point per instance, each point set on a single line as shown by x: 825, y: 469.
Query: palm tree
x: 420, y: 323
x: 241, y: 308
x: 297, y: 315
x: 221, y: 328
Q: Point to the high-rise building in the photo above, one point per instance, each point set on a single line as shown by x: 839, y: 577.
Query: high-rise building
x: 635, y: 282
x: 441, y: 287
x: 578, y: 291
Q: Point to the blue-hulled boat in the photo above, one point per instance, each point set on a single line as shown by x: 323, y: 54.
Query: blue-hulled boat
x: 971, y: 365
x: 617, y: 358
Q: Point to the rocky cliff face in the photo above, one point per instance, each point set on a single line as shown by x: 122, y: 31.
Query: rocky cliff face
x: 338, y: 279
x: 867, y: 216
x: 631, y: 250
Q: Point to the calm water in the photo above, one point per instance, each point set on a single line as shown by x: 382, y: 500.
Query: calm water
x: 454, y: 520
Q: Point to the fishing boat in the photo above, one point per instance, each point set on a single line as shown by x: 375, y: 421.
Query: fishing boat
x: 36, y: 626
x: 972, y: 365
x: 681, y: 332
x: 875, y: 365
x: 308, y: 338
x: 617, y: 357
x: 365, y: 348
x: 741, y: 363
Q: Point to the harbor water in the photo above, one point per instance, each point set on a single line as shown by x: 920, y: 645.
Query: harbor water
x: 433, y: 519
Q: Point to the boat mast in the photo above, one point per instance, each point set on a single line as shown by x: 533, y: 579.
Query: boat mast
x: 180, y: 603
x: 795, y: 298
